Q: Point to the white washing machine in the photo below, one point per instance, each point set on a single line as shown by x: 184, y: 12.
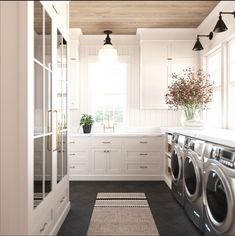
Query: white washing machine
x: 219, y: 190
x: 193, y: 170
x: 177, y: 159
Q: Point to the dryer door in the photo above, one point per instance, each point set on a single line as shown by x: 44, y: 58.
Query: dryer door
x: 219, y: 202
x: 176, y: 163
x: 192, y: 176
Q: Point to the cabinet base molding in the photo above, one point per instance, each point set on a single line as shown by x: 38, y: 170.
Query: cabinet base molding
x: 117, y: 178
x: 167, y: 180
x: 60, y: 221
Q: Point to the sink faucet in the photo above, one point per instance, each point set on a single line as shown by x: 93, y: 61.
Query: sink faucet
x: 112, y: 127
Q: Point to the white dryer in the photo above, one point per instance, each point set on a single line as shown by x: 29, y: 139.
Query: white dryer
x: 219, y: 190
x: 177, y: 160
x: 193, y: 170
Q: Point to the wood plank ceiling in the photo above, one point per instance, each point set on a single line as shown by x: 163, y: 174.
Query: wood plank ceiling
x: 124, y: 17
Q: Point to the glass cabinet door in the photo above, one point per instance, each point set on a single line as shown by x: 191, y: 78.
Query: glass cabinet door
x: 42, y: 103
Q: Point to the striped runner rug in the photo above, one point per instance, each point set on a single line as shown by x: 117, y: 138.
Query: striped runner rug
x: 122, y: 214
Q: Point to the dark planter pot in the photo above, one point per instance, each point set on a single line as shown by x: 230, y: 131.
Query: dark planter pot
x: 86, y: 129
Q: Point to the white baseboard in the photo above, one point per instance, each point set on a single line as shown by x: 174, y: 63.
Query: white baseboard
x: 117, y: 178
x: 61, y: 219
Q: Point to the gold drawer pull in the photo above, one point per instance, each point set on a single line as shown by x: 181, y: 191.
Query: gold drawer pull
x: 72, y: 142
x: 143, y: 142
x: 143, y: 167
x: 143, y: 154
x: 43, y: 228
x: 72, y: 167
x: 72, y: 154
x: 106, y: 142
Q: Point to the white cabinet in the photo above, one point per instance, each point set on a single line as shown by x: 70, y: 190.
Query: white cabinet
x: 74, y: 75
x: 116, y: 158
x: 159, y: 59
x: 106, y: 161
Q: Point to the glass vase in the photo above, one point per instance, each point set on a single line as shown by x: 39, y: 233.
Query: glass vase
x: 190, y: 116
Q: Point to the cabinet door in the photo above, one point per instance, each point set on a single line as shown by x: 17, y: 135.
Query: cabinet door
x: 114, y: 161
x: 99, y: 159
x: 154, y: 74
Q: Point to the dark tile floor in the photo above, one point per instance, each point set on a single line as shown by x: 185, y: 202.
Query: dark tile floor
x: 169, y: 216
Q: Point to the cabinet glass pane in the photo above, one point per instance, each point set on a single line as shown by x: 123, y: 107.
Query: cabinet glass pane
x: 58, y: 82
x: 38, y: 31
x: 64, y: 84
x: 65, y: 153
x: 48, y: 42
x: 38, y: 171
x: 48, y: 101
x: 48, y: 164
x: 38, y: 99
x: 59, y: 158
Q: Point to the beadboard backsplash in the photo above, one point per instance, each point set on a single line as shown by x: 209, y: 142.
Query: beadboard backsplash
x: 135, y: 117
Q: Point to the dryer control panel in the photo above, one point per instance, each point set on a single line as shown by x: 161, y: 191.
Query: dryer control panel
x: 223, y: 155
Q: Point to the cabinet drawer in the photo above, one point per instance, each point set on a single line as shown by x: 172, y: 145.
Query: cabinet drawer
x: 144, y: 142
x: 77, y: 156
x: 61, y: 202
x: 78, y: 168
x: 143, y: 156
x: 144, y: 168
x: 44, y: 226
x: 106, y: 142
x: 77, y: 142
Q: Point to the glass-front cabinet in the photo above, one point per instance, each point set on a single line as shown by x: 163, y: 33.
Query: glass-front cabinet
x: 50, y: 105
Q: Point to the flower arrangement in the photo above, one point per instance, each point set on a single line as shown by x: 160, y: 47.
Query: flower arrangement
x: 192, y: 91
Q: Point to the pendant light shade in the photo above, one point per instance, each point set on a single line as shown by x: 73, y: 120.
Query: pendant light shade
x: 220, y: 26
x: 198, y: 46
x: 108, y: 53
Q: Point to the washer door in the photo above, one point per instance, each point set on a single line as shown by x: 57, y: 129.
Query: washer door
x: 176, y: 163
x: 219, y: 200
x: 192, y: 176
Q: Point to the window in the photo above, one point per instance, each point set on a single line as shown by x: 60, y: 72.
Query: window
x: 213, y: 67
x: 109, y: 92
x: 231, y: 83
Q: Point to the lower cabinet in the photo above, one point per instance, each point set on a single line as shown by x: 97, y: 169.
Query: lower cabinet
x: 106, y: 161
x: 118, y: 158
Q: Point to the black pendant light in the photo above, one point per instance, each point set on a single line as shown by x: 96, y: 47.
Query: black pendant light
x: 198, y: 46
x: 220, y: 25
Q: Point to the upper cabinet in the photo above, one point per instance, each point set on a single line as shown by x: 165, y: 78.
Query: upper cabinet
x: 158, y: 60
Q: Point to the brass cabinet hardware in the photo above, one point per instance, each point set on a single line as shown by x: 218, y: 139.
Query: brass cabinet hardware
x: 143, y: 167
x: 43, y: 228
x: 143, y: 154
x: 106, y: 142
x: 143, y: 142
x: 55, y: 9
x: 72, y: 154
x: 72, y: 142
x: 72, y: 167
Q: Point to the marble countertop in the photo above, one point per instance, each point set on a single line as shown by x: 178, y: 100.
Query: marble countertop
x: 121, y: 134
x: 219, y: 136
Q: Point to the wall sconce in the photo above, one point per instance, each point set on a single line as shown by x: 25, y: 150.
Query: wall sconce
x: 108, y: 53
x: 220, y: 25
x: 198, y: 45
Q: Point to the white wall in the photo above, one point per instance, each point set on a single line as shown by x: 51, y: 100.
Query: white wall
x: 128, y: 47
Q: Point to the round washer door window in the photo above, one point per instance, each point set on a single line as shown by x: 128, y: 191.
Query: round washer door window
x: 175, y: 166
x: 216, y: 197
x: 190, y: 175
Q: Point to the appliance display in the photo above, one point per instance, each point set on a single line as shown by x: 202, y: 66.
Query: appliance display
x: 219, y: 190
x: 193, y: 170
x: 177, y: 160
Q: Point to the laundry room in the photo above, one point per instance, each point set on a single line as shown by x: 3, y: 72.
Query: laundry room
x: 117, y: 118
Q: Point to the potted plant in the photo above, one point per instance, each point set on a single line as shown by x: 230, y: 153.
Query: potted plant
x: 86, y: 122
x: 192, y: 92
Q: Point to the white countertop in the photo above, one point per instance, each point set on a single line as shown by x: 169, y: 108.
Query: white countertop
x: 124, y: 134
x: 219, y: 136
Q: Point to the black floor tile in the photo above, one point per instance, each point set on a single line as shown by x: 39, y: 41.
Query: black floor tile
x: 169, y: 216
